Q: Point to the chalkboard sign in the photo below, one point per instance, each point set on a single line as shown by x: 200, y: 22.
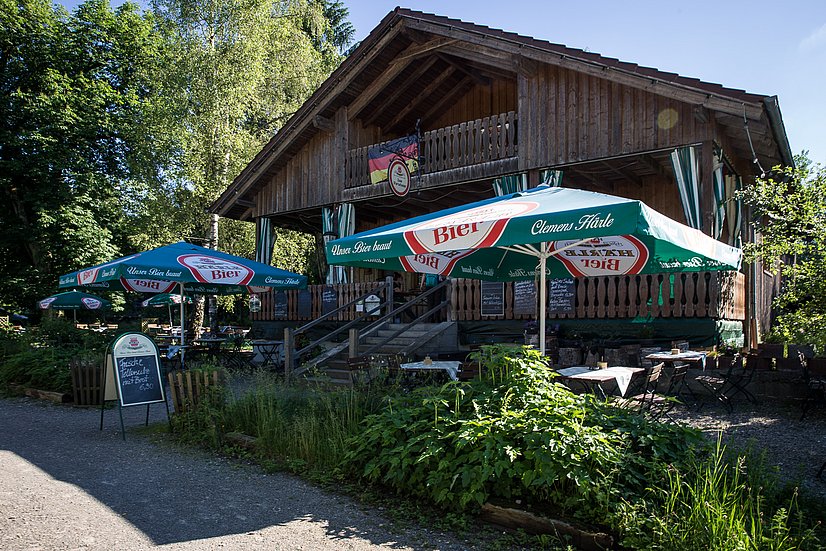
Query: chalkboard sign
x: 137, y: 370
x: 305, y: 304
x: 280, y: 305
x: 329, y: 299
x: 561, y: 296
x: 493, y: 298
x: 524, y: 298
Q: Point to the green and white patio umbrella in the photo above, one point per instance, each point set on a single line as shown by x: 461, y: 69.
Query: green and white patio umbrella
x: 165, y: 299
x: 560, y: 232
x: 192, y: 268
x: 74, y: 301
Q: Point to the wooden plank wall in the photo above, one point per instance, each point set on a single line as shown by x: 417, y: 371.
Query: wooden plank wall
x: 307, y: 180
x: 481, y: 101
x: 567, y: 116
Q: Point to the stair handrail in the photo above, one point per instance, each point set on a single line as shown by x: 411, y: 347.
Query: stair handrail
x: 369, y: 330
x: 291, y: 356
x: 401, y: 330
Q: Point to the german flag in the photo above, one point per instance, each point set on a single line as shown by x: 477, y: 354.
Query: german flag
x: 379, y: 156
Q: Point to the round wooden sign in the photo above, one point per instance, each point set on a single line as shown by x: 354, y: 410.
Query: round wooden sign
x: 398, y: 176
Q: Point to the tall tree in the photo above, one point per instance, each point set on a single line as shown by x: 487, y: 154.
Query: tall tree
x: 72, y: 87
x: 237, y: 70
x: 789, y: 209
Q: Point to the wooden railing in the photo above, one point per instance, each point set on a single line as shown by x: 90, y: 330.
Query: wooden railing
x: 294, y: 312
x: 718, y: 295
x: 688, y: 295
x: 465, y: 144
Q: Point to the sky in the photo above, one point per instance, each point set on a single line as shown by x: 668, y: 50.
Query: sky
x: 761, y: 46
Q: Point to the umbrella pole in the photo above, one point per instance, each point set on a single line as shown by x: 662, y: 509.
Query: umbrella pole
x: 542, y: 291
x: 183, y: 329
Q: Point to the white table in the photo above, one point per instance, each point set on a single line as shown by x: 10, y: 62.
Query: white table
x: 449, y: 367
x: 590, y: 376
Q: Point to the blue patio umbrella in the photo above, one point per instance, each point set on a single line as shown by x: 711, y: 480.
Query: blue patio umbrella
x: 192, y: 268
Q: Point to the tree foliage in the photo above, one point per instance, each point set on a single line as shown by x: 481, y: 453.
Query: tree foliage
x: 119, y: 127
x: 71, y: 89
x: 789, y: 208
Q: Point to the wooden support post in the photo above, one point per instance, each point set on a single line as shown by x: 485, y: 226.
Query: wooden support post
x: 289, y: 351
x: 389, y: 294
x: 707, y: 187
x: 353, y: 343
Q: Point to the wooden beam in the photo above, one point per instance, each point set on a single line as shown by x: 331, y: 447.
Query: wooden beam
x: 679, y: 91
x: 374, y: 89
x: 483, y: 56
x: 402, y: 87
x: 524, y: 66
x: 622, y: 173
x: 324, y: 124
x: 424, y: 95
x: 655, y: 165
x: 418, y: 51
x: 459, y: 90
x: 461, y: 68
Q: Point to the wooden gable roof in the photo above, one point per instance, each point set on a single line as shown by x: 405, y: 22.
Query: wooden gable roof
x: 413, y: 58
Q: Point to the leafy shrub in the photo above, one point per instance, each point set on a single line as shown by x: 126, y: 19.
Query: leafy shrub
x: 40, y: 358
x: 518, y: 435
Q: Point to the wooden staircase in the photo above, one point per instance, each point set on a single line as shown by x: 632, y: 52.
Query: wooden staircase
x: 410, y: 340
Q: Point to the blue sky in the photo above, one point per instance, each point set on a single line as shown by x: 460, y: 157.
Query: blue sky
x: 761, y: 46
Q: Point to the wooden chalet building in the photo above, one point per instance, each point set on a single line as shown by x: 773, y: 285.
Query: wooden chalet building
x: 493, y: 106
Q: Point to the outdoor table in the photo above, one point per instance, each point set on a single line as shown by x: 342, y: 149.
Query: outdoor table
x: 695, y: 359
x: 268, y: 351
x: 213, y: 345
x: 449, y: 367
x: 593, y: 379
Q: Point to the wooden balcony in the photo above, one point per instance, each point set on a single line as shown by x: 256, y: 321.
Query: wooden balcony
x: 690, y: 295
x: 475, y: 149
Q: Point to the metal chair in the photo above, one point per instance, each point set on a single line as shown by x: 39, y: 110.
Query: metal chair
x: 644, y: 400
x: 734, y: 382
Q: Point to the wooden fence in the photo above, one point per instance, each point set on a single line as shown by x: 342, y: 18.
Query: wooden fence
x: 464, y: 144
x: 686, y: 295
x: 718, y: 295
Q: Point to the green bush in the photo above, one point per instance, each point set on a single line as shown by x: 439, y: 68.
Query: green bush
x: 520, y: 436
x: 40, y: 358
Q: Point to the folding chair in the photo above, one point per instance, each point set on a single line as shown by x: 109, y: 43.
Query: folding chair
x: 731, y: 384
x: 662, y: 404
x: 643, y: 400
x: 814, y: 375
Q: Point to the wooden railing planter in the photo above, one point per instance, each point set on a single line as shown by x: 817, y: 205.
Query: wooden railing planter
x: 686, y: 295
x: 189, y: 388
x: 346, y: 292
x: 86, y: 381
x: 465, y: 144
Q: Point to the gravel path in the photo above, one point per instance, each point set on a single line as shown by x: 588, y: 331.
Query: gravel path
x: 64, y: 484
x: 796, y: 447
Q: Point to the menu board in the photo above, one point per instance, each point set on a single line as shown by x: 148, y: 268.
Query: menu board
x: 524, y: 298
x: 137, y: 370
x: 329, y: 299
x: 493, y: 298
x: 279, y: 305
x: 561, y: 296
x: 305, y: 304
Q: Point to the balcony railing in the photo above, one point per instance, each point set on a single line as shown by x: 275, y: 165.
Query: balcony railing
x: 465, y: 144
